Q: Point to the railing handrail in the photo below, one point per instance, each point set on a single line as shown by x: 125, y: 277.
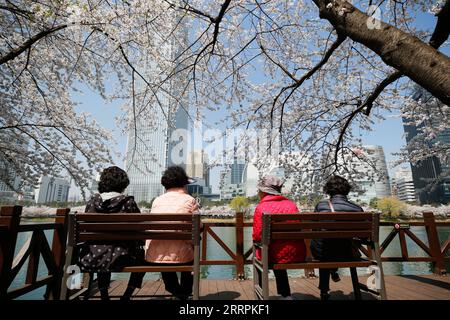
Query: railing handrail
x: 35, y: 248
x: 437, y: 253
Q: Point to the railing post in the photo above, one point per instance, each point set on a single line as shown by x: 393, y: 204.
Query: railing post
x: 434, y: 243
x: 59, y: 252
x: 240, y: 273
x: 9, y: 218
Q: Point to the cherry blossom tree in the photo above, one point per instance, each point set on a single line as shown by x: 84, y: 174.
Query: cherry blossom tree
x: 317, y: 72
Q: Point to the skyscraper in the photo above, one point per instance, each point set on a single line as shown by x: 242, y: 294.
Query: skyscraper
x: 52, y: 190
x: 404, y: 185
x: 197, y: 165
x: 429, y: 186
x: 375, y: 183
x: 237, y: 171
x: 154, y: 143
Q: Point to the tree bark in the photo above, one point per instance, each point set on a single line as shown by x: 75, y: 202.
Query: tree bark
x: 419, y: 61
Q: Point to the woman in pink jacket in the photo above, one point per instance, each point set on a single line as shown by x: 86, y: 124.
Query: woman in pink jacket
x: 175, y: 200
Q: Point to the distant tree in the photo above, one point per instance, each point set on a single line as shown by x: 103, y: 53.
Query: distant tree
x: 239, y: 204
x: 254, y: 199
x: 390, y: 206
x: 309, y: 201
x: 373, y: 203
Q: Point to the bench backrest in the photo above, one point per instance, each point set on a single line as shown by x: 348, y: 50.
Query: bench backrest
x: 135, y: 226
x: 320, y: 225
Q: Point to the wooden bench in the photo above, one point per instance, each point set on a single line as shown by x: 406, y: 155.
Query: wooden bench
x: 134, y: 226
x: 362, y: 226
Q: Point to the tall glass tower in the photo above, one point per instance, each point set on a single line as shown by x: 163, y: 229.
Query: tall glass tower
x: 154, y: 141
x: 427, y: 171
x: 376, y: 183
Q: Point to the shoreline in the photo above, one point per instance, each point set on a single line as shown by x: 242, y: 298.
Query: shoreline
x: 231, y: 220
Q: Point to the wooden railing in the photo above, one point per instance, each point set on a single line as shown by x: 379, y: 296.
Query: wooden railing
x: 238, y: 256
x: 38, y: 246
x: 437, y: 254
x: 34, y: 248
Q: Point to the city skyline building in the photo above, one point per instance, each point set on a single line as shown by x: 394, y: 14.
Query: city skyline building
x: 430, y: 186
x: 237, y: 171
x: 9, y: 182
x: 12, y: 186
x: 403, y: 184
x: 51, y: 189
x: 374, y: 180
x: 156, y: 141
x: 197, y: 165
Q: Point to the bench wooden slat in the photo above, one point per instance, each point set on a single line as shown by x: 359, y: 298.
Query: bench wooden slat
x: 322, y: 265
x: 121, y: 236
x: 164, y: 268
x: 134, y: 226
x: 335, y: 225
x: 320, y: 234
x: 323, y: 216
x: 132, y: 217
x: 38, y: 226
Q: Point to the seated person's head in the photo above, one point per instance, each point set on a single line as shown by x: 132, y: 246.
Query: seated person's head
x: 337, y: 185
x: 175, y: 177
x: 269, y: 185
x: 113, y: 179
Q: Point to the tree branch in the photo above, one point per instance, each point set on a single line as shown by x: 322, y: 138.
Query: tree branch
x: 419, y: 61
x: 27, y: 44
x: 442, y: 29
x: 440, y: 35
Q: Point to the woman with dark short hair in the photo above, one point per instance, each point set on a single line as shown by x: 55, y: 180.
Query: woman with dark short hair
x: 104, y: 258
x: 175, y: 200
x: 337, y: 188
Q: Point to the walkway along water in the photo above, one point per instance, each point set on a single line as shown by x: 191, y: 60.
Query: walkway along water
x: 38, y: 248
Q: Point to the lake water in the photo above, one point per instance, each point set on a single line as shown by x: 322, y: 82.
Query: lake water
x: 227, y: 234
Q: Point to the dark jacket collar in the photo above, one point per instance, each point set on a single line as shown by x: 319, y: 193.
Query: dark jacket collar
x: 339, y: 197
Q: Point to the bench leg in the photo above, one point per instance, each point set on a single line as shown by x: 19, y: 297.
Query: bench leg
x: 355, y: 282
x: 196, y: 291
x: 265, y: 272
x: 256, y: 277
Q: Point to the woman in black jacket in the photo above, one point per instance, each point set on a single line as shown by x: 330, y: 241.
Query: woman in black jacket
x: 334, y: 249
x: 106, y: 257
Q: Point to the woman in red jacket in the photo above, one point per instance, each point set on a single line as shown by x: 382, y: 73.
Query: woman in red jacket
x: 280, y: 251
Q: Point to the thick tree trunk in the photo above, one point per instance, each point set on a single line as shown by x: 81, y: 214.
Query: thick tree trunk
x: 419, y: 61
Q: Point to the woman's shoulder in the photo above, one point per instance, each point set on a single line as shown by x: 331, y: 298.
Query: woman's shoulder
x: 93, y: 203
x: 174, y: 195
x: 173, y: 199
x: 322, y: 205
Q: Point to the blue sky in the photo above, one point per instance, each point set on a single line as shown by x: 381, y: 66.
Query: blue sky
x: 388, y: 133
